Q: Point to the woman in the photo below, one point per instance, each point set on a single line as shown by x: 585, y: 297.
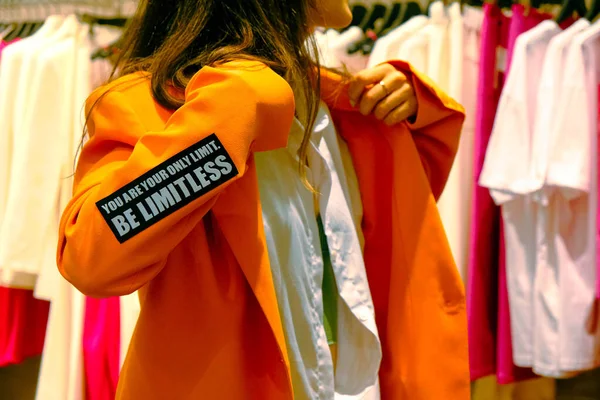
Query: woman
x: 215, y: 182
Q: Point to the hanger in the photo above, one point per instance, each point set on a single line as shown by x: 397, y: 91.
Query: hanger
x: 93, y: 20
x: 382, y: 13
x: 594, y: 11
x: 359, y: 12
x: 411, y: 9
x: 376, y: 12
x: 391, y: 15
x: 14, y: 34
x: 28, y: 30
x: 472, y: 3
x: 569, y: 7
x: 7, y: 31
x: 539, y: 3
x: 500, y: 3
x: 37, y: 26
x: 113, y: 48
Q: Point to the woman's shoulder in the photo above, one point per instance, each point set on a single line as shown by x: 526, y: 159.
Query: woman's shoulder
x: 127, y: 90
x: 241, y: 81
x: 247, y: 75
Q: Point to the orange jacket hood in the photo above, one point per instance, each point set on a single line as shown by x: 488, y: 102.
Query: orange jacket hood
x: 194, y: 247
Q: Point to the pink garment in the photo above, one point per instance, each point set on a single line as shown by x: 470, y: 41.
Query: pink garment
x: 23, y: 318
x: 101, y: 347
x: 482, y: 288
x: 598, y: 210
x: 489, y: 317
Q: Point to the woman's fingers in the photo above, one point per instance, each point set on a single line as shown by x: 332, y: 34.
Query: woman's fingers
x: 384, y: 91
x: 366, y: 78
x: 394, y: 100
x: 402, y: 112
x: 371, y: 97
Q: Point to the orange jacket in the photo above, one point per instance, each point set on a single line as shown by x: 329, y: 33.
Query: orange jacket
x: 167, y: 203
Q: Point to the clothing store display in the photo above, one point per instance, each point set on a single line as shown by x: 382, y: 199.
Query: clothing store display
x: 487, y: 247
x: 22, y: 317
x: 350, y: 291
x: 56, y: 59
x: 541, y: 168
x: 508, y: 183
x: 531, y: 283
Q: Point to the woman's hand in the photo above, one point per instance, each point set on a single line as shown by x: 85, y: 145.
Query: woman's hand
x: 384, y: 91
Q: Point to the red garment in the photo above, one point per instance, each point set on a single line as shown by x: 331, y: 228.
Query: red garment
x: 101, y: 347
x: 490, y: 340
x: 23, y: 320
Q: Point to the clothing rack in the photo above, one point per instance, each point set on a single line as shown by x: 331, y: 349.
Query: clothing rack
x: 16, y: 11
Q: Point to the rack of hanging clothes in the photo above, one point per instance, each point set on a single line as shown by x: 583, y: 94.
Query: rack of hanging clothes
x: 475, y: 52
x: 535, y: 213
x: 52, y: 55
x: 514, y: 207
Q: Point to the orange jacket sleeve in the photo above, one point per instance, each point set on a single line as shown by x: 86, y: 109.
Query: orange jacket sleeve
x: 437, y: 147
x: 138, y: 193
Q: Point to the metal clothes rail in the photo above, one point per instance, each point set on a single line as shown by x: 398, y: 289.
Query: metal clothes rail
x: 38, y: 10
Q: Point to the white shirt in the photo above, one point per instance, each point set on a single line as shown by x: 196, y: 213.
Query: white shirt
x: 296, y: 261
x: 64, y: 63
x: 551, y: 78
x: 506, y: 173
x: 573, y: 171
x: 455, y: 51
x: 11, y: 99
x: 454, y: 203
x: 41, y: 140
x: 547, y: 293
x: 386, y: 48
x: 427, y: 49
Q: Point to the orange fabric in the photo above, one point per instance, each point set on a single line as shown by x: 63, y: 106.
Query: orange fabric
x: 209, y: 326
x: 417, y: 292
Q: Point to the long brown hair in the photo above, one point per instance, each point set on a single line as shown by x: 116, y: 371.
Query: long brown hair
x: 173, y: 39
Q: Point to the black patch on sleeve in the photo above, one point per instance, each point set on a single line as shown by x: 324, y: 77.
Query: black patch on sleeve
x: 167, y: 187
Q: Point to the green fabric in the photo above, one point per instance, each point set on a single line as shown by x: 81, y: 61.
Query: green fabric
x: 330, y: 291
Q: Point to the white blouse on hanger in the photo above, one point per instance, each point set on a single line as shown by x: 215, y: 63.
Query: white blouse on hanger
x: 506, y: 172
x: 427, y: 49
x: 13, y: 103
x: 387, y: 47
x: 572, y: 169
x: 61, y: 370
x: 547, y: 292
x: 454, y: 203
